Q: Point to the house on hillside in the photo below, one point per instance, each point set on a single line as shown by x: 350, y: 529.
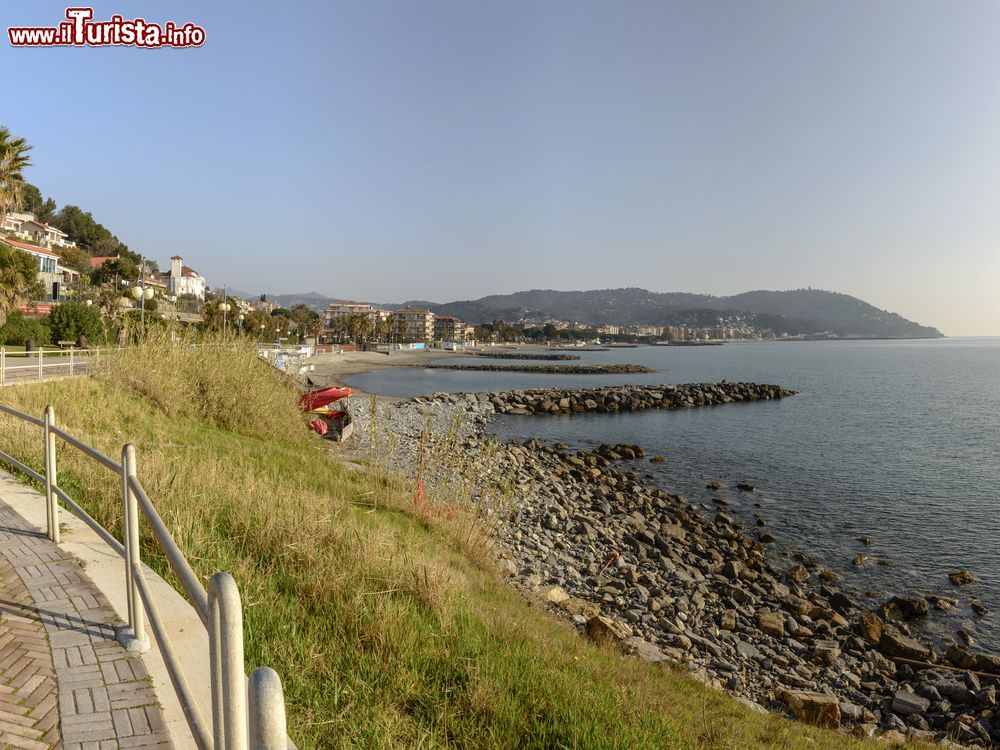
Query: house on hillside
x: 184, y: 280
x: 12, y: 221
x: 49, y: 270
x: 45, y: 235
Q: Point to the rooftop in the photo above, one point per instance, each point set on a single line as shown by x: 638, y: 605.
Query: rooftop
x: 31, y: 248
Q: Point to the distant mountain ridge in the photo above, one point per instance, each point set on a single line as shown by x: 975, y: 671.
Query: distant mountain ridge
x: 796, y: 312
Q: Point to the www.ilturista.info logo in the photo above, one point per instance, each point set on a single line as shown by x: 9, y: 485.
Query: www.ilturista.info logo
x: 80, y: 30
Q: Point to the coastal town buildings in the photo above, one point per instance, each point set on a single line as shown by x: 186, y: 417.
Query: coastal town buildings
x: 413, y: 324
x: 24, y: 225
x: 264, y: 305
x: 447, y: 328
x: 340, y: 310
x: 182, y: 280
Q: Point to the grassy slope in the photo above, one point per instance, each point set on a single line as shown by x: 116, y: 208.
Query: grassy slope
x: 384, y: 632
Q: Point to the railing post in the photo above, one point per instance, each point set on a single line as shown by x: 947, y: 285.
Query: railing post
x: 40, y: 376
x: 135, y: 640
x: 3, y: 366
x: 266, y: 706
x: 51, y: 504
x: 225, y: 650
x: 71, y: 361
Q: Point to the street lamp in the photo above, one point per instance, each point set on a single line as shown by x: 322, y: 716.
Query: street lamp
x: 239, y: 323
x: 89, y: 302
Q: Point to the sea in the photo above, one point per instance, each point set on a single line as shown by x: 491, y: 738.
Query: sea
x: 894, y: 441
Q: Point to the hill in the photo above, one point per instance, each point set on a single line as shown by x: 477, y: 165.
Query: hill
x: 800, y: 311
x: 795, y: 312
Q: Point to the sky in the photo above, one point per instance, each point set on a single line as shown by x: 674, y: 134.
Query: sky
x: 441, y: 150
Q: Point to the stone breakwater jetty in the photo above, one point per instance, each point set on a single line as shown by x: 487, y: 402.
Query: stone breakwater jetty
x: 615, y: 369
x: 608, y: 399
x: 526, y: 355
x: 666, y: 581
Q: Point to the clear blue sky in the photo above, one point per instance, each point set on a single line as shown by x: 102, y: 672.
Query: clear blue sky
x: 447, y: 150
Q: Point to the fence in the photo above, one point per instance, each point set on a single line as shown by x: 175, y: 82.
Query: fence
x: 21, y: 367
x: 246, y: 714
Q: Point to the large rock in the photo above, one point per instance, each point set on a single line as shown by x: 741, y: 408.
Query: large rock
x: 895, y: 643
x: 906, y: 703
x: 606, y: 630
x: 576, y: 606
x: 871, y: 627
x: 771, y: 623
x: 553, y: 594
x: 960, y: 577
x: 906, y: 607
x: 818, y: 709
x: 797, y: 573
x: 643, y: 650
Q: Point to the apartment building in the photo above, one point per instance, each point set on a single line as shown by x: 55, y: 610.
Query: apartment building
x: 412, y: 324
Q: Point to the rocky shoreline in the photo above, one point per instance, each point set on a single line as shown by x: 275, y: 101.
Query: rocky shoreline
x: 615, y: 369
x: 668, y: 581
x: 608, y: 399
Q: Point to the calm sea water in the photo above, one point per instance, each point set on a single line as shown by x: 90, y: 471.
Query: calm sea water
x: 895, y: 440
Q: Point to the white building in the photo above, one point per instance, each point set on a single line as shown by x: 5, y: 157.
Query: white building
x: 14, y: 219
x: 184, y: 280
x: 44, y: 234
x: 49, y: 269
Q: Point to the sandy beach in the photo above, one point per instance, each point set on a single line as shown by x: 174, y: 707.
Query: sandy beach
x: 332, y: 368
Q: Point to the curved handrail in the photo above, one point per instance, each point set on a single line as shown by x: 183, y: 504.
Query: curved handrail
x: 219, y: 608
x: 175, y: 558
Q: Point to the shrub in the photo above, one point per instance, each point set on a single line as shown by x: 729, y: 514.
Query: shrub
x: 70, y: 320
x: 20, y: 327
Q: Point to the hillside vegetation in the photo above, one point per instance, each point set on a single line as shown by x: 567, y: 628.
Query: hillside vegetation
x: 387, y: 626
x: 799, y: 311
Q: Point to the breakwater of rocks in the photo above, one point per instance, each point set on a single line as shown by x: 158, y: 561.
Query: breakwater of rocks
x: 526, y: 355
x: 615, y: 369
x: 583, y: 535
x: 608, y: 399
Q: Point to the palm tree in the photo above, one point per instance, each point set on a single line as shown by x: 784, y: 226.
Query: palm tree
x: 13, y: 159
x: 18, y: 279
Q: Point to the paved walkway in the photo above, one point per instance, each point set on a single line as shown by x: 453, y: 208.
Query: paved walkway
x: 65, y: 682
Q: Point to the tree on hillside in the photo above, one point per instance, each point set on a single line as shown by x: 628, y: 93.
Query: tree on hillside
x: 45, y: 212
x: 44, y: 209
x: 82, y: 229
x: 120, y: 268
x: 13, y: 160
x: 18, y: 279
x: 76, y: 259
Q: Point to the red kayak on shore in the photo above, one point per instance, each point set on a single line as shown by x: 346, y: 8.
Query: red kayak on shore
x: 323, y: 397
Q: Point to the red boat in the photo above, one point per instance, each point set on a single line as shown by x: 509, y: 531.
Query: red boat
x: 329, y: 409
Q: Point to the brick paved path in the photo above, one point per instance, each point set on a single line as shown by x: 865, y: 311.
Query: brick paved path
x: 65, y: 682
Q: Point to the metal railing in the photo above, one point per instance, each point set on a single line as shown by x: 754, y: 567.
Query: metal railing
x: 22, y: 367
x: 246, y: 714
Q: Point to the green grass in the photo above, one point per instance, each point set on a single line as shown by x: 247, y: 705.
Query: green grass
x: 388, y: 628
